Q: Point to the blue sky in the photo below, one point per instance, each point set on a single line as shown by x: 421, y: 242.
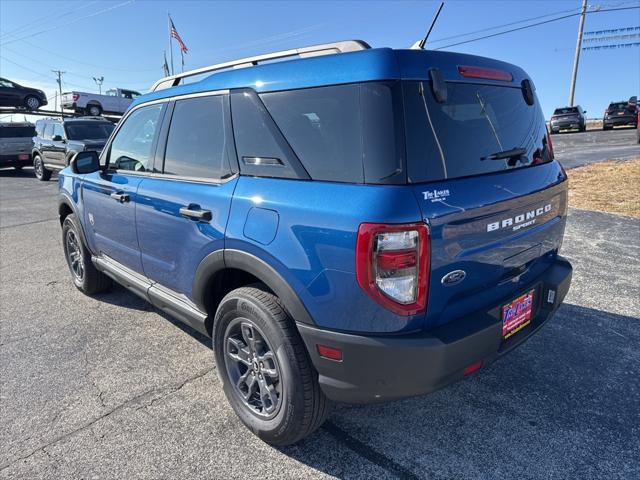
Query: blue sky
x: 123, y: 40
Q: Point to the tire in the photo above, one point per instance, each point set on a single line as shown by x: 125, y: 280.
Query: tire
x: 31, y: 102
x: 84, y: 274
x: 296, y: 406
x: 93, y: 110
x: 40, y: 170
x: 606, y: 127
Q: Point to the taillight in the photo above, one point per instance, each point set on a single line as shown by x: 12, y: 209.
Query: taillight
x: 76, y: 96
x: 486, y: 73
x: 550, y: 146
x: 392, y: 265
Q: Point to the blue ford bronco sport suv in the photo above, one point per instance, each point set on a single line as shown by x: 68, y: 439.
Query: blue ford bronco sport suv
x: 346, y: 223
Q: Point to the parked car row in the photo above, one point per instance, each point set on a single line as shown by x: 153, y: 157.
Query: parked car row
x: 617, y: 114
x: 51, y: 143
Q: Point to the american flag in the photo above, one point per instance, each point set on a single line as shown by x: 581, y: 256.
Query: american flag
x: 176, y: 35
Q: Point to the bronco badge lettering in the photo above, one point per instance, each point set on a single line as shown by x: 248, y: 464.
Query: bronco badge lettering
x: 519, y: 221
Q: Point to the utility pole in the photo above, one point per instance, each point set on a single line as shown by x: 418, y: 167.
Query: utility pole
x: 59, y: 73
x: 576, y: 58
x: 99, y: 81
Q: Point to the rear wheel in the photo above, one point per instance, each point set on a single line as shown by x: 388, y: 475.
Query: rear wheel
x: 84, y: 274
x: 32, y: 102
x: 94, y: 110
x: 606, y: 127
x: 265, y: 369
x: 40, y: 170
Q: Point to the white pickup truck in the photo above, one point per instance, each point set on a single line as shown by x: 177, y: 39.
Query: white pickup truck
x: 115, y: 101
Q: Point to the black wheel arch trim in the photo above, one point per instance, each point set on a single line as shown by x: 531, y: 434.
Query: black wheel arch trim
x: 240, y: 260
x: 65, y: 199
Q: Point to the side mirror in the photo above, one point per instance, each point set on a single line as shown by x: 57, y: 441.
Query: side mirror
x: 85, y: 162
x: 57, y: 138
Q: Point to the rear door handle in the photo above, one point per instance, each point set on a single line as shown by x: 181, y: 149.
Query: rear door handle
x: 196, y: 213
x: 120, y: 196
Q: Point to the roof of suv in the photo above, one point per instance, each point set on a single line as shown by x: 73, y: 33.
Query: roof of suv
x: 75, y: 120
x: 375, y: 64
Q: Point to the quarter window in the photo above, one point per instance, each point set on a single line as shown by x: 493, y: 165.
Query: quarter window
x: 197, y: 140
x: 48, y: 131
x: 58, y: 130
x: 131, y: 148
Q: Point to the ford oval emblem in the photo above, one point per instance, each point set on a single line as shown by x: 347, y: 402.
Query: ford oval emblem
x: 453, y: 278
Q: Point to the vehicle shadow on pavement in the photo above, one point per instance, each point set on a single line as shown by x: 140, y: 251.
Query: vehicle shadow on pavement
x: 561, y: 406
x: 120, y: 296
x: 12, y: 172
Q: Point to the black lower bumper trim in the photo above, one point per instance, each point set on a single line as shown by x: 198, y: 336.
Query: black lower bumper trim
x: 376, y: 369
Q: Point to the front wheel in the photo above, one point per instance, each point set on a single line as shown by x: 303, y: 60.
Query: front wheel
x: 265, y: 369
x: 32, y: 102
x: 86, y: 277
x: 40, y: 170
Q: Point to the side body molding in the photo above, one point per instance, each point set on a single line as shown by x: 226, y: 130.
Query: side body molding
x: 229, y: 258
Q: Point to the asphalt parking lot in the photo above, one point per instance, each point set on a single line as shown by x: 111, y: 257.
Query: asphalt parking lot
x: 106, y: 387
x: 575, y: 149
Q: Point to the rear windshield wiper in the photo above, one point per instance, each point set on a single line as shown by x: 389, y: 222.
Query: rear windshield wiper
x: 510, y: 154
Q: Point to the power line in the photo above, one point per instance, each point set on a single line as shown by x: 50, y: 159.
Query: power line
x: 442, y: 39
x: 534, y: 25
x: 43, y: 20
x: 66, y: 24
x: 80, y: 62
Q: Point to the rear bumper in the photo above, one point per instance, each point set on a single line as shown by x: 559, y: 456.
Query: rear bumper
x: 565, y: 124
x: 383, y: 368
x: 13, y: 160
x: 621, y: 120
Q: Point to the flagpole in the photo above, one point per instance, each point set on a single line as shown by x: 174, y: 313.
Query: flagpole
x: 170, y: 44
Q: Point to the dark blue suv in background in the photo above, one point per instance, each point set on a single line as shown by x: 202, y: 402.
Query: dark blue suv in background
x: 347, y: 224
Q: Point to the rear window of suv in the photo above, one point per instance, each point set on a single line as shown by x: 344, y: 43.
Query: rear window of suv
x: 17, y: 132
x: 618, y: 106
x: 89, y: 131
x: 565, y: 111
x: 479, y: 129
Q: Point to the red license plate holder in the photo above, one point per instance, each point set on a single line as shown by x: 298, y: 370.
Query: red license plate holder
x: 23, y: 156
x: 517, y: 314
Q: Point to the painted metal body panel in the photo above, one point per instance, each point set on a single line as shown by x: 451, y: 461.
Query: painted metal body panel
x: 171, y: 245
x: 110, y: 225
x: 314, y: 248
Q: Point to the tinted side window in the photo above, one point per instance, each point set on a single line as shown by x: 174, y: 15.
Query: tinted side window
x: 58, y: 130
x: 131, y: 148
x: 323, y: 126
x: 197, y: 140
x: 48, y: 131
x: 39, y: 129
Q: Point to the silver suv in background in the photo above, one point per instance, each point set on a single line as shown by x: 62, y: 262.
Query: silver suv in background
x: 568, y: 118
x: 16, y: 143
